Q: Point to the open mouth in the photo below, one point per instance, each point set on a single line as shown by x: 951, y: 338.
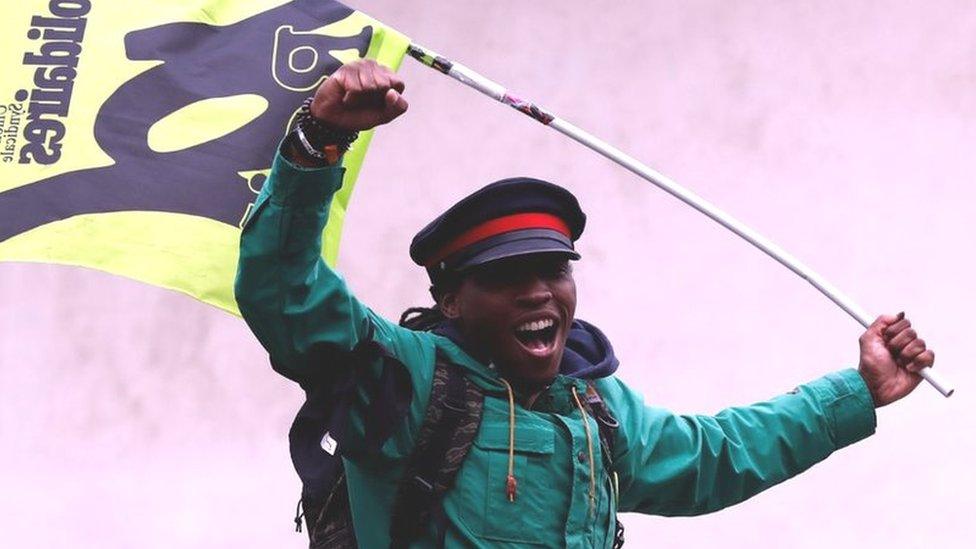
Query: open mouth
x: 538, y: 336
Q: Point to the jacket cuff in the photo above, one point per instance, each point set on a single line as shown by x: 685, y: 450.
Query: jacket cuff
x: 293, y: 185
x: 848, y: 406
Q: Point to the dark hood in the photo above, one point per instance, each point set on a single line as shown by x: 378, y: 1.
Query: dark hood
x: 588, y: 354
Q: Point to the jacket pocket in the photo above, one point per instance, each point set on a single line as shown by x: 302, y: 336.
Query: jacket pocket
x: 530, y: 518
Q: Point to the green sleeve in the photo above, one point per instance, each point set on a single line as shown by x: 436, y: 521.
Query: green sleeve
x: 293, y: 301
x: 286, y: 293
x: 692, y: 464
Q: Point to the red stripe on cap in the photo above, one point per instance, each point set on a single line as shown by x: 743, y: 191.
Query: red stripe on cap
x: 497, y: 226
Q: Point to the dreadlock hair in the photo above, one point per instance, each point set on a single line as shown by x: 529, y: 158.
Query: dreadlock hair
x: 426, y: 318
x: 422, y: 318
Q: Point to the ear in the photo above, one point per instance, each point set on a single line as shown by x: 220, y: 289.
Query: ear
x: 449, y: 304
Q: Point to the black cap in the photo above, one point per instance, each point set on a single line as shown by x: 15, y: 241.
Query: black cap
x: 507, y: 218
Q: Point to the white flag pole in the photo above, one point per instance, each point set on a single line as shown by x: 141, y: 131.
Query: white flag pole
x: 498, y: 92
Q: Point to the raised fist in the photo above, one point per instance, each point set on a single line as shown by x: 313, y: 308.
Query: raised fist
x: 359, y: 96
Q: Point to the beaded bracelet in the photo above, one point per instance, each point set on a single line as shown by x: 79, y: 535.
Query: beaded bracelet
x: 318, y: 135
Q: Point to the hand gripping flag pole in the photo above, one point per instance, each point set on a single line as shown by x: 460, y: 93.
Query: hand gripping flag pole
x: 492, y: 89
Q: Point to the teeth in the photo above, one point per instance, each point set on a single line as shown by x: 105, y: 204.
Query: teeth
x: 536, y: 325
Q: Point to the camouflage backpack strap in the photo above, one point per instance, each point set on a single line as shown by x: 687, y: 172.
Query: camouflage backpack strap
x: 445, y: 437
x: 330, y: 524
x: 607, y: 425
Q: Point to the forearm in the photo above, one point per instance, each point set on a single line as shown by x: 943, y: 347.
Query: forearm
x: 287, y: 294
x: 688, y: 465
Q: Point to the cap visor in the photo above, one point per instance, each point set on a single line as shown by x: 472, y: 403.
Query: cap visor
x: 516, y: 244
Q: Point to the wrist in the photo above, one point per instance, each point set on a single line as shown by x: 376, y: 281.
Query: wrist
x: 319, y: 133
x: 313, y: 144
x: 299, y: 154
x: 870, y: 388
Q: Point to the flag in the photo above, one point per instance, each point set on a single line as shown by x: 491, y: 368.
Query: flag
x: 136, y: 134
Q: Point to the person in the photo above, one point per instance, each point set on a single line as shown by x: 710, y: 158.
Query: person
x: 505, y: 299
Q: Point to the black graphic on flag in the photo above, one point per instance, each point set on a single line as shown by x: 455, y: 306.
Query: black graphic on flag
x: 200, y: 61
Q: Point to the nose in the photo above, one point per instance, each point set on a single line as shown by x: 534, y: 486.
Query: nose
x: 533, y: 292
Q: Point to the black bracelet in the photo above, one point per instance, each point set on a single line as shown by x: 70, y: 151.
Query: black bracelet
x: 319, y: 135
x: 295, y: 144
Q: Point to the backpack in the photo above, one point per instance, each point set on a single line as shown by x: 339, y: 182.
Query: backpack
x: 448, y: 430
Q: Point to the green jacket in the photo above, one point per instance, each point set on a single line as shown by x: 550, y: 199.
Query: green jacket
x: 667, y: 464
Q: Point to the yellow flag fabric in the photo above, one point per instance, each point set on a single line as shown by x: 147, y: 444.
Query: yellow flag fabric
x: 136, y: 134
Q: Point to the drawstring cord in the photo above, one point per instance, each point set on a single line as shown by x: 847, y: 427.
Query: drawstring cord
x: 616, y: 490
x: 299, y: 514
x: 510, y: 483
x: 589, y: 449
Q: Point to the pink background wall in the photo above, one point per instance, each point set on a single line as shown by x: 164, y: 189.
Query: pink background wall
x: 135, y: 417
